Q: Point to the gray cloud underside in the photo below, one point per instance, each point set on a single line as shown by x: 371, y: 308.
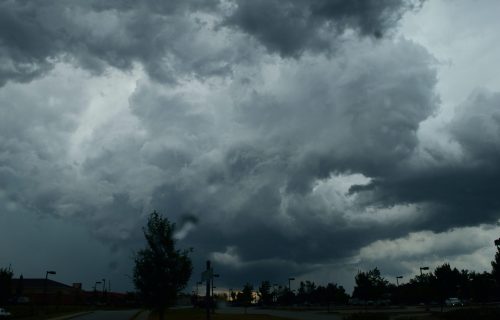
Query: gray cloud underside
x: 291, y: 27
x: 456, y: 193
x: 255, y: 155
x: 167, y: 37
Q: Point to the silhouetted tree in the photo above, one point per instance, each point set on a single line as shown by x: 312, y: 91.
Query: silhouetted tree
x: 331, y: 294
x: 285, y: 296
x: 245, y: 297
x: 5, y: 284
x: 446, y: 281
x: 370, y: 285
x: 266, y: 298
x: 301, y: 293
x: 495, y: 264
x: 160, y: 270
x: 482, y: 286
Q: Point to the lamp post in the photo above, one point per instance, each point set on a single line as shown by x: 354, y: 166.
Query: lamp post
x: 215, y: 275
x: 45, y: 285
x: 104, y: 290
x: 95, y: 290
x: 289, y: 284
x: 275, y: 293
x: 197, y: 290
x: 423, y: 268
x: 397, y: 278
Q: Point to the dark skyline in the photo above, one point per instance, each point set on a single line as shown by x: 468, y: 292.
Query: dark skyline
x: 285, y: 138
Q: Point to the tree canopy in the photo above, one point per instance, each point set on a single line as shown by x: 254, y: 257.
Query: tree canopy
x: 370, y: 285
x: 161, y: 271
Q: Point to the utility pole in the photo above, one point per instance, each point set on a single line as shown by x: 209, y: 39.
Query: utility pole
x: 213, y: 297
x: 207, y: 292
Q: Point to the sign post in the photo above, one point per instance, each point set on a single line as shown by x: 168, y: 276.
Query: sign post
x: 207, y: 277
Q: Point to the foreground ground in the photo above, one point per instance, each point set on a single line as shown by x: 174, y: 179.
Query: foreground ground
x: 108, y: 315
x: 198, y: 314
x: 230, y: 313
x: 406, y: 313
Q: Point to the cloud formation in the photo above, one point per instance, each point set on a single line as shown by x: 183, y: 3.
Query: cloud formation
x: 292, y: 27
x: 174, y: 39
x: 240, y: 122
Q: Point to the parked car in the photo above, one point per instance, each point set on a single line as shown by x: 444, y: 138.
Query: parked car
x: 4, y: 313
x: 356, y: 302
x: 453, y: 302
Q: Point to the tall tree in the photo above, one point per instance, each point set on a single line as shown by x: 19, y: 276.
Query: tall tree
x: 161, y: 271
x: 265, y: 295
x: 495, y: 264
x: 5, y: 284
x: 245, y: 297
x: 370, y: 285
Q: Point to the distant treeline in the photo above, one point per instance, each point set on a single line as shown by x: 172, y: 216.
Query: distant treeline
x: 308, y: 293
x: 430, y: 287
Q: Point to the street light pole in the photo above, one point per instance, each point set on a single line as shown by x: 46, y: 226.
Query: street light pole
x: 213, y: 299
x: 95, y: 285
x: 289, y: 285
x: 275, y: 293
x: 95, y: 290
x: 45, y: 285
x: 197, y: 289
x: 397, y: 278
x: 423, y: 268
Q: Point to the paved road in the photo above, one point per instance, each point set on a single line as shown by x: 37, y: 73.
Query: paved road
x: 299, y: 315
x: 109, y: 315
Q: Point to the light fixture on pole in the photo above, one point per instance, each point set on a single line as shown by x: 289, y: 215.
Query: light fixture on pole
x: 45, y: 285
x: 215, y: 275
x: 289, y: 284
x: 423, y: 268
x: 197, y: 289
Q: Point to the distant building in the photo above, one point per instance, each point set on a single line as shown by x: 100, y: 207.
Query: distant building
x: 37, y: 291
x: 40, y: 291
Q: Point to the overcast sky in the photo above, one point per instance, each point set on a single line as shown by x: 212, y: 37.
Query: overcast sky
x: 285, y: 138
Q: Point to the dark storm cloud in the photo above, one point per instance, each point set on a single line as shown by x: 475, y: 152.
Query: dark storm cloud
x: 476, y: 127
x: 455, y: 193
x: 163, y: 36
x: 293, y: 26
x: 256, y: 189
x: 172, y: 39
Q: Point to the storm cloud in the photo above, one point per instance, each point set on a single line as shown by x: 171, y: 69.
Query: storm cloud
x: 174, y: 39
x: 279, y: 135
x: 292, y: 27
